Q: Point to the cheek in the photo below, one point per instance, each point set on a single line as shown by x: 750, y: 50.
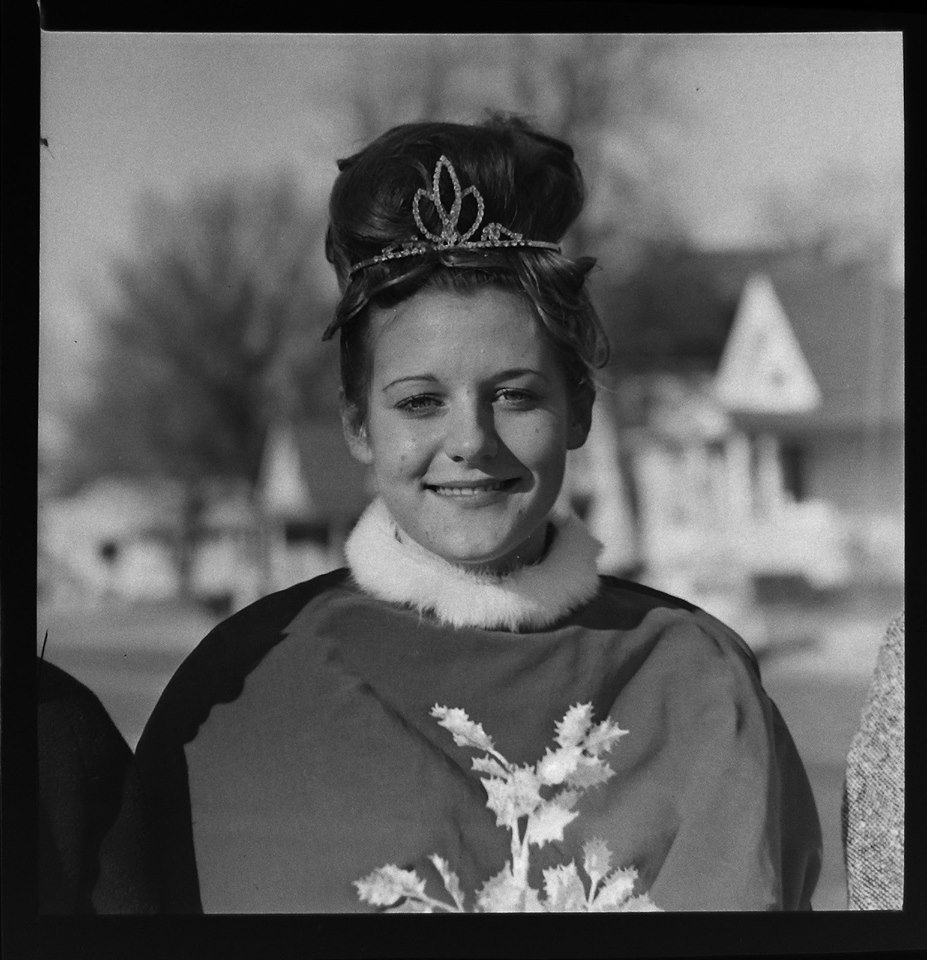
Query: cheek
x: 539, y: 442
x: 400, y: 454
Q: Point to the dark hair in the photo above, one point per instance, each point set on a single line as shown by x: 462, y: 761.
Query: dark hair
x: 530, y: 184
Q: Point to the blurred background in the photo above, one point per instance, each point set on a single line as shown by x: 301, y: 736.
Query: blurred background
x: 746, y: 209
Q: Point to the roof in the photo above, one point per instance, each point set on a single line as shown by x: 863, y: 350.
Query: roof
x: 307, y: 471
x: 848, y: 320
x: 763, y: 368
x: 850, y: 325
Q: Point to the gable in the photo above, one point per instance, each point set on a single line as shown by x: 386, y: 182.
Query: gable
x: 307, y: 472
x: 763, y: 368
x: 283, y: 489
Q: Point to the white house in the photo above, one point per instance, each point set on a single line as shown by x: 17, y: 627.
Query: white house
x: 786, y: 459
x: 110, y: 540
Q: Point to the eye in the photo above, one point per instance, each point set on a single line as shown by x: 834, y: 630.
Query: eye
x: 420, y: 403
x: 516, y: 398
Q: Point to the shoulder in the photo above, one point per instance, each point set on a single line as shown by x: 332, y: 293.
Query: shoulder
x: 275, y: 610
x: 216, y: 669
x: 81, y: 760
x: 254, y: 624
x: 677, y: 638
x: 59, y: 687
x: 642, y: 596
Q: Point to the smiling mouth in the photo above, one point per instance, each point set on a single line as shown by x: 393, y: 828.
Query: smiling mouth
x: 463, y: 490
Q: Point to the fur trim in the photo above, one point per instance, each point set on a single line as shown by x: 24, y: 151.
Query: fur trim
x: 530, y: 597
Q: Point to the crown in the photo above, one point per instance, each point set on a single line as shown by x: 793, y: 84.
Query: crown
x: 451, y: 237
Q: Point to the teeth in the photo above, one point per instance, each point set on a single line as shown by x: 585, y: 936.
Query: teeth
x: 466, y: 491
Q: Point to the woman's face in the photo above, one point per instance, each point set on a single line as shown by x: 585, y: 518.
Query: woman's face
x: 469, y: 422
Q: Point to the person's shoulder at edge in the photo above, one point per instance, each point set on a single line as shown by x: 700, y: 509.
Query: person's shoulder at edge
x: 215, y: 669
x: 56, y: 684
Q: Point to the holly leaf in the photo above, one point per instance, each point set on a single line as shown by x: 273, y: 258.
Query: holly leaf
x: 532, y: 902
x: 617, y: 888
x: 597, y: 861
x: 547, y: 823
x: 501, y: 893
x: 566, y: 798
x: 556, y: 765
x: 574, y: 726
x: 603, y: 736
x: 641, y: 904
x: 590, y: 772
x: 490, y: 766
x: 514, y: 797
x: 563, y: 889
x: 450, y: 879
x: 387, y: 884
x: 466, y: 733
x: 411, y: 906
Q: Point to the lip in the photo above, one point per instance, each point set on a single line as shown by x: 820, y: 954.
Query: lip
x: 473, y: 490
x: 477, y: 483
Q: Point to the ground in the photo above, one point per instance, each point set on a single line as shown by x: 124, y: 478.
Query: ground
x: 816, y: 664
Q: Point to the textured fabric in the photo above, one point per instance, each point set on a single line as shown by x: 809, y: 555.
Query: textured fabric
x: 389, y: 565
x: 293, y: 752
x: 83, y: 774
x: 873, y: 807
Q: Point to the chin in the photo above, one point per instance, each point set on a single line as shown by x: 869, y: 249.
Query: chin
x: 469, y: 556
x: 479, y: 561
x: 479, y: 553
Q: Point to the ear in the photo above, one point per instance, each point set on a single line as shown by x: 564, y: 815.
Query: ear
x: 355, y: 432
x: 580, y: 418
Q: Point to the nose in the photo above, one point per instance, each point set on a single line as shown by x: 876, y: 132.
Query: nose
x: 471, y: 433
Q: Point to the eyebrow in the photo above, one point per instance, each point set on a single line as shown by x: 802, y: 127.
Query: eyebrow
x: 420, y: 377
x: 503, y: 375
x: 520, y: 372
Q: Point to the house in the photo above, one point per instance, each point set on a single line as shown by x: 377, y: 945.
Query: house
x: 827, y: 387
x: 782, y: 458
x: 116, y: 539
x: 812, y: 378
x: 309, y: 494
x: 111, y: 540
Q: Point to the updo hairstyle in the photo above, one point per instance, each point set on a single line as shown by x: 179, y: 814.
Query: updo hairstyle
x: 530, y: 184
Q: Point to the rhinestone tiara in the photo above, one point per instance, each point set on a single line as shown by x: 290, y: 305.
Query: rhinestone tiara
x: 450, y: 237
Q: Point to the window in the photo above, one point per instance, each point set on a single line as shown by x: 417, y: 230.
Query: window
x: 303, y: 531
x: 794, y: 467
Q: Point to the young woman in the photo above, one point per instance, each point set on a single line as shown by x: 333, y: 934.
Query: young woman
x: 295, y: 751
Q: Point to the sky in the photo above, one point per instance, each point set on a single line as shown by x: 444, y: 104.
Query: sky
x: 129, y: 113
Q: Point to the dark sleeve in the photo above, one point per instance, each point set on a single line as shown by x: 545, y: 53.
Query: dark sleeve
x: 743, y: 829
x: 215, y: 672
x: 83, y: 767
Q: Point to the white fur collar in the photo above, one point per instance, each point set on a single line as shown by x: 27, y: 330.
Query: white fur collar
x: 530, y: 597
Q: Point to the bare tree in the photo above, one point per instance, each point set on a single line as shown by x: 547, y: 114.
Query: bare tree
x: 212, y: 333
x: 606, y: 94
